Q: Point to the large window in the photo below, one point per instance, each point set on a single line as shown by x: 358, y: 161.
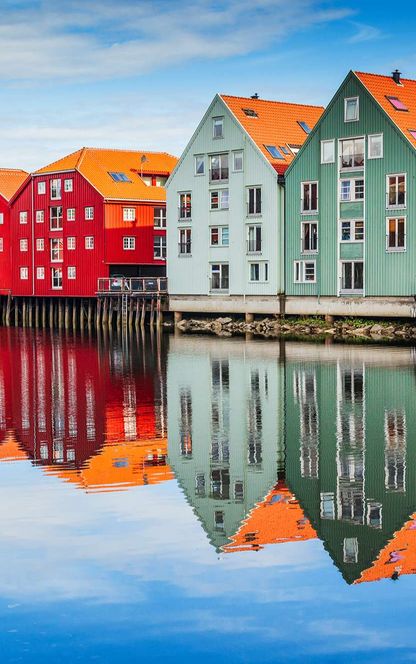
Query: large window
x: 351, y: 109
x: 352, y: 276
x: 352, y: 230
x: 218, y: 167
x: 185, y: 205
x: 258, y: 272
x: 253, y: 201
x: 309, y: 202
x: 220, y: 275
x: 396, y: 190
x: 56, y: 278
x: 56, y: 188
x: 396, y: 234
x: 304, y: 272
x: 220, y: 236
x: 57, y: 246
x: 352, y: 153
x: 219, y: 199
x: 159, y: 217
x: 351, y: 190
x: 159, y: 247
x: 309, y: 237
x: 185, y: 241
x: 56, y: 218
x: 254, y: 239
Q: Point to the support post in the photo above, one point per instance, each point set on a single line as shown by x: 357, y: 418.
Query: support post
x: 177, y: 317
x: 51, y: 321
x: 37, y: 312
x: 143, y: 316
x: 16, y: 312
x: 89, y: 313
x: 30, y: 311
x: 249, y: 317
x: 66, y: 313
x: 98, y: 319
x: 8, y: 308
x: 43, y: 313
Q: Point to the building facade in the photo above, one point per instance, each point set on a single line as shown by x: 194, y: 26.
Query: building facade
x: 11, y: 180
x: 350, y: 204
x: 225, y: 206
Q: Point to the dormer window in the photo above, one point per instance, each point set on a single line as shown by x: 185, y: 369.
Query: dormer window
x: 304, y: 125
x: 397, y: 104
x: 351, y: 108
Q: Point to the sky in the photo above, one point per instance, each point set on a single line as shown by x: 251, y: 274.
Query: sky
x: 139, y: 74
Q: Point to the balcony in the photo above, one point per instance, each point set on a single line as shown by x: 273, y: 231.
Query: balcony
x: 133, y: 285
x: 218, y: 174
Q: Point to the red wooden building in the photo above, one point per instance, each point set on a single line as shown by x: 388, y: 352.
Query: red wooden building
x: 94, y: 213
x: 11, y: 180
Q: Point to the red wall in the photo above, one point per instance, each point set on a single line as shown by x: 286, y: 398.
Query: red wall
x: 5, y: 265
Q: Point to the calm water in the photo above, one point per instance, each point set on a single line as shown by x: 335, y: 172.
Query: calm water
x: 199, y: 499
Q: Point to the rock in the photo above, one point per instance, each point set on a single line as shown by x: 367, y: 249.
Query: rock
x: 377, y: 329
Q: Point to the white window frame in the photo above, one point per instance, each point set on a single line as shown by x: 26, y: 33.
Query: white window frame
x: 159, y: 220
x: 89, y: 242
x: 129, y: 214
x: 1, y: 245
x: 71, y: 272
x: 353, y: 233
x: 369, y: 155
x: 327, y: 142
x: 398, y: 206
x: 354, y: 167
x: 23, y: 215
x: 55, y: 185
x: 24, y: 273
x: 40, y: 216
x: 302, y: 185
x: 89, y: 213
x: 250, y: 266
x: 309, y: 251
x: 58, y: 217
x: 71, y: 243
x: 239, y: 153
x: 68, y: 185
x: 56, y: 270
x: 1, y: 218
x: 161, y: 248
x: 129, y: 243
x: 352, y: 290
x: 218, y: 121
x: 353, y: 187
x: 23, y: 245
x: 200, y: 157
x: 256, y: 188
x: 220, y: 230
x: 187, y: 206
x: 40, y: 244
x: 40, y: 273
x: 346, y: 100
x: 255, y: 230
x: 302, y: 272
x: 263, y: 272
x: 41, y: 187
x: 59, y: 248
x: 70, y: 214
x: 396, y: 250
x: 221, y: 195
x: 220, y: 264
x: 185, y: 241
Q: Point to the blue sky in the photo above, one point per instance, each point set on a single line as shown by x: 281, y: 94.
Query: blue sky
x: 140, y: 74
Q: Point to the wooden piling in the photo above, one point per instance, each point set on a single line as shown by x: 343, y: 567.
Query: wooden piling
x: 110, y: 314
x: 37, y: 312
x: 51, y: 321
x: 98, y: 314
x: 66, y: 314
x: 43, y: 313
x: 152, y: 312
x: 75, y: 312
x: 105, y: 312
x: 24, y: 313
x: 16, y: 313
x: 143, y: 316
x: 8, y: 309
x: 89, y: 315
x: 137, y: 321
x: 119, y: 307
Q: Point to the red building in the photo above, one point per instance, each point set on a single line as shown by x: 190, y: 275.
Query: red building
x: 11, y: 180
x: 94, y: 213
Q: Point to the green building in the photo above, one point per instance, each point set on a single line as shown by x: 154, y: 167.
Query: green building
x: 350, y: 236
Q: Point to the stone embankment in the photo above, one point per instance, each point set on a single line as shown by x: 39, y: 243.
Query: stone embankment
x: 311, y: 327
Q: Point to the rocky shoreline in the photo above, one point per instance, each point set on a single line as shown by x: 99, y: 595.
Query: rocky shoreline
x: 342, y: 329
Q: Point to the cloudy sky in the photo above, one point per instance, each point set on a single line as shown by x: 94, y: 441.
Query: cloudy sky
x: 140, y: 73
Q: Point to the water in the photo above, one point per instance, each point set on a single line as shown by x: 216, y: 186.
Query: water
x: 204, y: 499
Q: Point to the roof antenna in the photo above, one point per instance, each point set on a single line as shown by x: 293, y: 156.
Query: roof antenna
x: 255, y: 96
x: 143, y: 160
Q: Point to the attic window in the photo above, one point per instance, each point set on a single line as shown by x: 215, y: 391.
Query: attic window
x: 397, y: 104
x: 284, y: 149
x: 412, y: 132
x: 295, y: 148
x: 272, y: 149
x: 251, y: 113
x: 119, y: 177
x: 304, y: 126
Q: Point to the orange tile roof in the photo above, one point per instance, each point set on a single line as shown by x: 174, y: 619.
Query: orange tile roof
x: 276, y: 124
x: 381, y: 87
x: 277, y: 519
x: 96, y: 163
x: 10, y: 181
x: 10, y: 449
x: 398, y: 556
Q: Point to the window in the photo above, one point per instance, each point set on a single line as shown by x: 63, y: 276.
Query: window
x: 147, y: 179
x: 218, y: 167
x: 42, y: 187
x: 375, y: 146
x: 309, y: 197
x: 274, y: 152
x: 129, y: 243
x: 352, y: 231
x: 253, y: 201
x: 219, y: 520
x: 40, y: 216
x: 23, y: 217
x: 250, y: 112
x: 56, y: 218
x: 70, y: 214
x: 159, y: 217
x: 55, y: 186
x: 350, y: 550
x: 129, y: 214
x: 40, y: 244
x: 218, y: 127
x: 309, y: 237
x: 254, y: 239
x: 89, y: 242
x: 374, y: 514
x: 219, y: 199
x: 238, y: 161
x: 396, y: 234
x: 351, y: 109
x: 327, y: 506
x: 304, y: 272
x: 397, y: 104
x: 57, y: 246
x: 185, y: 241
x: 1, y: 217
x: 220, y: 276
x: 328, y: 151
x: 89, y: 213
x: 70, y: 243
x: 159, y: 247
x: 68, y: 185
x: 396, y: 191
x: 40, y: 273
x: 351, y: 190
x: 71, y: 272
x: 352, y: 153
x: 185, y: 205
x: 1, y: 244
x: 304, y: 125
x: 118, y: 176
x: 352, y: 276
x: 24, y: 273
x: 220, y: 236
x: 199, y: 164
x: 254, y: 271
x: 56, y: 277
x: 23, y: 245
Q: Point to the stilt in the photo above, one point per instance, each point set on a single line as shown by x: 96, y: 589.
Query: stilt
x: 119, y: 313
x: 81, y: 315
x: 178, y: 317
x: 66, y: 314
x: 24, y: 312
x: 51, y: 321
x: 110, y: 314
x: 37, y: 312
x: 105, y: 312
x: 8, y: 307
x: 89, y: 316
x: 43, y: 313
x: 159, y: 315
x: 152, y: 312
x: 131, y: 313
x: 30, y: 312
x: 16, y: 313
x: 98, y: 312
x: 137, y: 321
x: 143, y: 316
x: 60, y: 314
x: 74, y: 313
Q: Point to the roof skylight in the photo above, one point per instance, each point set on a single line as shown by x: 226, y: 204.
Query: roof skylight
x: 412, y: 132
x: 250, y: 112
x: 119, y: 177
x: 284, y: 149
x: 272, y: 149
x: 304, y: 126
x: 397, y: 104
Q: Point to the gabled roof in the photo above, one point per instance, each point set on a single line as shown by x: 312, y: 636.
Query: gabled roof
x: 274, y: 123
x: 10, y: 181
x: 381, y: 87
x: 96, y: 164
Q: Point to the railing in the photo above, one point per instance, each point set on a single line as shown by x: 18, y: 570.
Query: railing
x: 132, y: 285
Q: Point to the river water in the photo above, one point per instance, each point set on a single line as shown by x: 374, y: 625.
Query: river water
x: 198, y: 499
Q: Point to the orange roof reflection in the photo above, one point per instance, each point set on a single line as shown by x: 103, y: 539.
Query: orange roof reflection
x: 398, y: 556
x: 10, y: 449
x: 120, y: 466
x: 277, y: 519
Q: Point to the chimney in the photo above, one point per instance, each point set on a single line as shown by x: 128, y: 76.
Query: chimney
x: 396, y: 76
x: 255, y: 96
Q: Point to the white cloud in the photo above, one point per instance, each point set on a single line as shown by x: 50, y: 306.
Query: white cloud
x: 365, y: 33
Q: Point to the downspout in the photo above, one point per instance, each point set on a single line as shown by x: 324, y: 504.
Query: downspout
x: 33, y: 237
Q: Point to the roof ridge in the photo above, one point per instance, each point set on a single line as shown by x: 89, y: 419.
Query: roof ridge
x: 56, y: 161
x: 129, y: 150
x: 15, y: 170
x: 272, y: 101
x: 369, y: 73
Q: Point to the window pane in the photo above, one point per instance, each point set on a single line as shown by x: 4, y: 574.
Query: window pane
x: 347, y: 276
x: 358, y: 276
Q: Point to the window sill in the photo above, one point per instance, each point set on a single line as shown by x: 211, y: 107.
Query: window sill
x: 253, y: 253
x: 255, y: 215
x: 351, y: 241
x: 186, y: 219
x: 311, y: 212
x: 305, y: 282
x: 396, y: 207
x: 219, y: 209
x: 351, y: 292
x: 184, y: 255
x: 220, y: 291
x: 401, y: 250
x: 219, y: 246
x: 312, y: 252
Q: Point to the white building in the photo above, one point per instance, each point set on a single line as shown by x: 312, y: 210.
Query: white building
x: 225, y: 205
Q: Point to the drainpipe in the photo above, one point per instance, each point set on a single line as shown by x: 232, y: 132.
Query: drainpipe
x: 33, y: 237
